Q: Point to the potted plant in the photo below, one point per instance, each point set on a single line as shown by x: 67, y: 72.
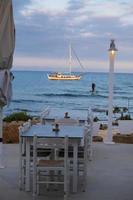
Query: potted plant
x: 96, y: 126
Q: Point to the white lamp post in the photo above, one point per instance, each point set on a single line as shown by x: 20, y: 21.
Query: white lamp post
x: 112, y: 52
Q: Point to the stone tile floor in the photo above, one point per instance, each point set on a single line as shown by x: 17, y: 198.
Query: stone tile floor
x: 110, y: 175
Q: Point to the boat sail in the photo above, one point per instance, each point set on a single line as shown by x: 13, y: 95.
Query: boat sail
x: 63, y: 76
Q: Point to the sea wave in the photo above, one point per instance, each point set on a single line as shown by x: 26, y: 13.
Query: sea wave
x: 26, y: 101
x: 123, y: 97
x: 71, y: 95
x: 62, y: 95
x: 100, y: 110
x: 121, y: 92
x: 25, y: 110
x: 9, y: 111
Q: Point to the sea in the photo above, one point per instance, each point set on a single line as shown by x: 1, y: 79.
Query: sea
x: 33, y: 92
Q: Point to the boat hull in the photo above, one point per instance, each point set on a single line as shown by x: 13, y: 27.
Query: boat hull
x: 69, y: 78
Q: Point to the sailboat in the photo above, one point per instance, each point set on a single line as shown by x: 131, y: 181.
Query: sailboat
x: 65, y: 76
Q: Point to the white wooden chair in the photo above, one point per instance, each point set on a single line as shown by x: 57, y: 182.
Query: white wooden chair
x: 45, y: 112
x: 26, y: 125
x: 22, y: 153
x: 88, y: 132
x: 83, y: 160
x: 41, y: 166
x: 84, y: 155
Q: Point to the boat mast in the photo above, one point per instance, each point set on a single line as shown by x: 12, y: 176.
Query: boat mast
x: 70, y: 58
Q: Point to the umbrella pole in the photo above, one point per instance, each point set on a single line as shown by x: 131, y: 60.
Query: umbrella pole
x: 1, y: 138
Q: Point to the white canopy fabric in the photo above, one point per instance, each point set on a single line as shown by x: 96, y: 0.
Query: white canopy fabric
x: 7, y: 45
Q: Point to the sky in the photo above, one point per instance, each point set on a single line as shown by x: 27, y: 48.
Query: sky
x: 44, y: 29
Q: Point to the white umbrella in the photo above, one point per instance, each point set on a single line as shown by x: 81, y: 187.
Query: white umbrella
x: 7, y: 44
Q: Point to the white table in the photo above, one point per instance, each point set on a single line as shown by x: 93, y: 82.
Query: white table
x: 75, y: 133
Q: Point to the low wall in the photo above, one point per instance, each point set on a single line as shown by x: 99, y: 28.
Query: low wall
x: 127, y: 139
x: 10, y: 132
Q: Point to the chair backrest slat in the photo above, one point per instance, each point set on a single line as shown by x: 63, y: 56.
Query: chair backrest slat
x: 50, y: 142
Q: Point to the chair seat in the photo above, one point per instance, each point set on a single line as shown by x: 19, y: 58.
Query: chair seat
x: 50, y: 163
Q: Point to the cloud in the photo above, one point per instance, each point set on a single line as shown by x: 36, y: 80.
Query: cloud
x: 117, y: 9
x: 20, y: 4
x: 44, y: 7
x: 45, y: 29
x: 76, y: 4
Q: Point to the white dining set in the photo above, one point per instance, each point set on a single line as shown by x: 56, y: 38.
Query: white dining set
x: 54, y: 155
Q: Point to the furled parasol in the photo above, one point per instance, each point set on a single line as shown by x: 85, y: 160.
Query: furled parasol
x: 7, y: 44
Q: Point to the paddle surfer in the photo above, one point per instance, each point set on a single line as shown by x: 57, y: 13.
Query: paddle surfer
x: 93, y: 87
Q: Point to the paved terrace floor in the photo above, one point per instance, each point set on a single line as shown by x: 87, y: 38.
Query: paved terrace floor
x: 110, y: 175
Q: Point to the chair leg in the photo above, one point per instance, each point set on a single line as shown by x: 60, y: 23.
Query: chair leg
x: 47, y: 178
x: 20, y: 180
x: 65, y: 197
x: 20, y: 163
x: 20, y: 174
x: 66, y: 184
x: 90, y: 154
x: 34, y: 185
x: 23, y: 177
x: 84, y: 180
x: 37, y: 185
